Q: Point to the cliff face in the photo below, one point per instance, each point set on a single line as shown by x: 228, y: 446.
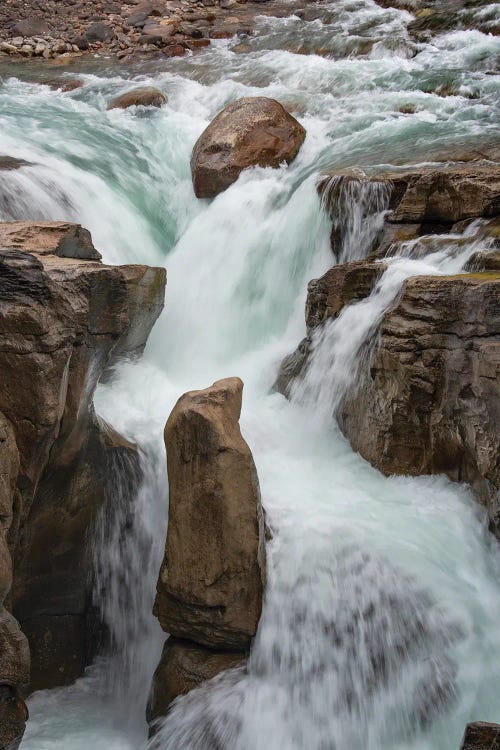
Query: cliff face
x: 428, y: 402
x: 64, y: 318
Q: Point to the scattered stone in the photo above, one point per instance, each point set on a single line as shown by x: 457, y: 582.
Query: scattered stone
x: 253, y: 131
x: 11, y: 49
x: 80, y: 42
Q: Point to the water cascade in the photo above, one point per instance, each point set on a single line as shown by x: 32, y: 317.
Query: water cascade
x: 380, y: 623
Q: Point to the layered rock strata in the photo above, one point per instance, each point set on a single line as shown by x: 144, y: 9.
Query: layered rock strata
x: 211, y: 582
x: 428, y: 402
x: 64, y: 318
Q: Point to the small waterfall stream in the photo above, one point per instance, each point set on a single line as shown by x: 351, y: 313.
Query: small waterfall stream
x: 380, y: 625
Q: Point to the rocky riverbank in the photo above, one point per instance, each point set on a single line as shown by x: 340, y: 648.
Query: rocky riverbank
x: 128, y: 29
x: 123, y: 29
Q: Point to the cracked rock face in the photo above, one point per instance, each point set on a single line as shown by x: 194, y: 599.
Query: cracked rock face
x: 64, y: 318
x: 429, y: 402
x: 14, y: 650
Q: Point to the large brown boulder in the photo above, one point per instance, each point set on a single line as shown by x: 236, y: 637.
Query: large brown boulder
x: 480, y: 735
x: 253, y: 131
x: 212, y: 578
x: 66, y: 315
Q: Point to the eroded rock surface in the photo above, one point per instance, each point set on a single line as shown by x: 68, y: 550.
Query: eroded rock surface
x: 429, y: 402
x: 184, y: 665
x: 64, y: 317
x: 212, y: 578
x: 14, y: 650
x: 211, y: 582
x: 253, y: 131
x: 481, y: 735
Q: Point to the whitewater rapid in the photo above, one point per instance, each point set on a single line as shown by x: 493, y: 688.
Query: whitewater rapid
x: 380, y: 623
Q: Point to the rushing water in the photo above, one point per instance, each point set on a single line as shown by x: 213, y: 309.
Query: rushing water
x: 380, y: 625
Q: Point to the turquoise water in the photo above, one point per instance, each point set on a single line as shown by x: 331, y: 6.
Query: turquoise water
x: 347, y: 541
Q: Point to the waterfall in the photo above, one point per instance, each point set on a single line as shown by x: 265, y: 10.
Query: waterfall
x: 340, y: 347
x: 127, y: 554
x: 380, y: 623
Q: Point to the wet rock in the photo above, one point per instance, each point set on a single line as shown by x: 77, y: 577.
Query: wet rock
x: 174, y: 50
x: 63, y: 84
x: 292, y: 367
x: 212, y: 578
x: 13, y: 717
x: 184, y: 666
x: 326, y: 298
x: 338, y: 287
x: 429, y: 402
x: 146, y: 96
x: 253, y: 131
x: 481, y: 736
x: 14, y: 651
x: 8, y: 163
x: 445, y: 193
x: 65, y: 314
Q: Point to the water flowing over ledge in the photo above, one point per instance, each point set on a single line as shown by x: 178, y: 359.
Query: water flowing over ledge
x: 377, y: 586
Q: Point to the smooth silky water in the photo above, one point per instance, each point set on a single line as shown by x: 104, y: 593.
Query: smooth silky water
x: 380, y: 623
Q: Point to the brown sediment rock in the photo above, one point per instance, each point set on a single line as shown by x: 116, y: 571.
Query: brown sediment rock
x: 480, y: 735
x: 14, y: 650
x: 442, y: 194
x: 338, y: 287
x: 429, y: 402
x: 210, y: 587
x: 212, y: 578
x: 64, y: 317
x: 147, y: 96
x: 253, y: 131
x: 183, y: 666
